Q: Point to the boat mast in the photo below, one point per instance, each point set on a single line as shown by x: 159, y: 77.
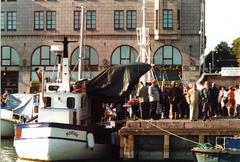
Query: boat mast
x: 202, y: 37
x: 80, y: 68
x: 144, y: 42
x: 63, y: 65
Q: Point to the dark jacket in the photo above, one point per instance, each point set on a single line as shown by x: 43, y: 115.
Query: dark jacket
x: 206, y: 95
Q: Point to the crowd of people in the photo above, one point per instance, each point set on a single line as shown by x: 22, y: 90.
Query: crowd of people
x: 187, y: 101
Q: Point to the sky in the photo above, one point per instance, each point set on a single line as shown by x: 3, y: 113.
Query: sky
x: 222, y: 22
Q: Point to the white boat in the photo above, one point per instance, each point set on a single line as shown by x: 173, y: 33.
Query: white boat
x: 7, y: 123
x: 19, y: 108
x: 66, y: 129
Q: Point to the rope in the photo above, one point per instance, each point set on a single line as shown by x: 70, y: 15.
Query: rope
x: 173, y: 134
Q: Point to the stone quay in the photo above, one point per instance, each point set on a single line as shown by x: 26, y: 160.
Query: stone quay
x: 171, y: 139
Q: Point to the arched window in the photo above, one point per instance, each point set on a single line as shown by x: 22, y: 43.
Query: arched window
x: 124, y: 55
x: 9, y: 56
x: 167, y: 55
x: 9, y: 72
x: 168, y: 63
x: 46, y: 60
x: 90, y: 62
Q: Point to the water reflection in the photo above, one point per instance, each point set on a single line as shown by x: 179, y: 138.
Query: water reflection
x: 8, y: 153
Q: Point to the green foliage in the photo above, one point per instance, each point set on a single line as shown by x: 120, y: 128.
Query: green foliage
x: 221, y: 56
x: 236, y: 48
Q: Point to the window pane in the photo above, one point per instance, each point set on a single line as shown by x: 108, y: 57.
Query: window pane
x: 91, y: 19
x: 125, y: 61
x: 6, y: 53
x: 51, y: 20
x: 124, y: 55
x: 167, y: 51
x: 119, y: 19
x: 2, y: 21
x: 134, y: 55
x: 94, y: 57
x: 15, y: 57
x: 116, y: 57
x: 77, y: 19
x: 11, y: 20
x: 158, y: 56
x: 74, y: 58
x: 36, y: 57
x: 177, y: 58
x: 5, y: 62
x: 167, y: 62
x: 125, y: 52
x: 45, y: 52
x: 131, y: 19
x: 44, y: 62
x: 53, y: 58
x: 167, y: 19
x: 39, y: 20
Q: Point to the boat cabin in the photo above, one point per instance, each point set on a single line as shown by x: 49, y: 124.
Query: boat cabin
x: 62, y: 107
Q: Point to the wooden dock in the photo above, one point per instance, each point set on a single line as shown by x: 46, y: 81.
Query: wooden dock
x: 152, y: 139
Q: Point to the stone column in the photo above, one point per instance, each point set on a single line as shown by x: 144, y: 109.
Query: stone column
x: 166, y: 146
x: 201, y: 138
x: 127, y: 147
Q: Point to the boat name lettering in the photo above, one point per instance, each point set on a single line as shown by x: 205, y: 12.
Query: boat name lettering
x: 69, y: 133
x: 167, y: 68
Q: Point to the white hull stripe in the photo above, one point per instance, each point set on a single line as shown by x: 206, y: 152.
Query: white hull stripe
x: 55, y: 125
x: 16, y: 139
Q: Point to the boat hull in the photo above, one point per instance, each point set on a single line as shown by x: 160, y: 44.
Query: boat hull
x: 212, y: 155
x: 42, y: 141
x: 7, y: 128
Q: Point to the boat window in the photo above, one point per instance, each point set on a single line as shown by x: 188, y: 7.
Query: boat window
x: 53, y: 88
x: 70, y: 102
x: 47, y: 101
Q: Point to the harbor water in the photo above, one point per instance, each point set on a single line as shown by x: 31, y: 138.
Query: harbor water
x: 8, y: 154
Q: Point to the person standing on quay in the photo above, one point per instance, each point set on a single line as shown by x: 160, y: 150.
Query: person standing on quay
x: 193, y: 100
x: 175, y: 96
x: 231, y: 101
x: 142, y: 94
x: 154, y: 98
x: 206, y: 95
x: 215, y: 106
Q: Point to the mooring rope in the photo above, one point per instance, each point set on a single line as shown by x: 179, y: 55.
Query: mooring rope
x: 168, y: 132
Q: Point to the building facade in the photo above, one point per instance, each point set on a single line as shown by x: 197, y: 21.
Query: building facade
x: 30, y: 27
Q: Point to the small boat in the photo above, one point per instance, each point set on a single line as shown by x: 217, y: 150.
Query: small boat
x: 227, y: 149
x: 7, y: 123
x: 18, y: 108
x: 66, y: 128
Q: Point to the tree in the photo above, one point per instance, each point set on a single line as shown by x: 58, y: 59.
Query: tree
x: 236, y: 49
x: 220, y: 57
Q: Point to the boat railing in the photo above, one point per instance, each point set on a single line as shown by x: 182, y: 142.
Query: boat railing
x: 231, y: 143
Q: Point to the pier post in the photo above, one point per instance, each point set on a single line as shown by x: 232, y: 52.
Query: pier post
x: 166, y: 147
x: 201, y: 138
x: 127, y: 147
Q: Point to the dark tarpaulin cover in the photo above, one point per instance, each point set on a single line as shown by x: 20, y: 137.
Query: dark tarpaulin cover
x: 116, y: 82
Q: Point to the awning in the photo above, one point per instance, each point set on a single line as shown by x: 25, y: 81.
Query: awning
x: 116, y: 82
